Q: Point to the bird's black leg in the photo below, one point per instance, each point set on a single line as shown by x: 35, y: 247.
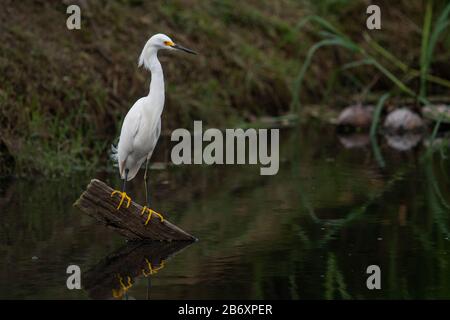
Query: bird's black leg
x: 147, y: 198
x: 147, y: 191
x: 125, y: 180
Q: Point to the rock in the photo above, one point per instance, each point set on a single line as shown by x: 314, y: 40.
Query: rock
x: 402, y: 120
x: 437, y: 112
x: 356, y: 116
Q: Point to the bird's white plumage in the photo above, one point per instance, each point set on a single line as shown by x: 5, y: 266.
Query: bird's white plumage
x: 138, y: 138
x: 142, y: 124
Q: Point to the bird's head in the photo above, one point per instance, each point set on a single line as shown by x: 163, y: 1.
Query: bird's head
x: 159, y: 42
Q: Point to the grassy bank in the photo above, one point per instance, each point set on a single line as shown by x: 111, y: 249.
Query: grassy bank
x: 63, y: 94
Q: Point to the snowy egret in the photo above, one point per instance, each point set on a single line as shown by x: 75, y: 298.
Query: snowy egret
x: 142, y: 125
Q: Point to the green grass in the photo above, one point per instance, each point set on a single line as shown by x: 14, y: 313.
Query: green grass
x: 430, y: 39
x: 372, y: 54
x: 333, y: 37
x: 377, y: 114
x: 425, y: 56
x: 63, y: 95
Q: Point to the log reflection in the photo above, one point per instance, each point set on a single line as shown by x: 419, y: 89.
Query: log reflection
x: 115, y: 275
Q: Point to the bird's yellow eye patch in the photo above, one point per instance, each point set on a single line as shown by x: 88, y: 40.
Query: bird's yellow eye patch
x: 169, y: 43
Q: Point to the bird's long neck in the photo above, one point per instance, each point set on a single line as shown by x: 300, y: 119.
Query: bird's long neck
x: 156, y: 92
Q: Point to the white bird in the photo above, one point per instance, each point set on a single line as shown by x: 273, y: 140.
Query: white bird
x: 142, y: 124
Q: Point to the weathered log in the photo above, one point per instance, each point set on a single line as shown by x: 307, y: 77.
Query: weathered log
x: 97, y: 202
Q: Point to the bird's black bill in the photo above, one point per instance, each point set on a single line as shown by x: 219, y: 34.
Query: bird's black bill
x: 176, y: 46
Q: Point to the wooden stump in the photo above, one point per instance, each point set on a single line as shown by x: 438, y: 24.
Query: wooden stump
x: 97, y: 202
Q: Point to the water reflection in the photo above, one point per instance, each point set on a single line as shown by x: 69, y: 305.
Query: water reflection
x: 399, y: 142
x: 354, y: 140
x: 114, y: 275
x: 308, y: 232
x: 403, y: 142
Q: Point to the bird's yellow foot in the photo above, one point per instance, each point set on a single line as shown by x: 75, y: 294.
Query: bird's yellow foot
x: 123, y: 287
x: 152, y: 270
x: 123, y: 197
x: 150, y: 213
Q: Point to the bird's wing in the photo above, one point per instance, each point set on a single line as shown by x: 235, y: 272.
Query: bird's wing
x: 129, y: 130
x: 157, y: 131
x: 155, y: 137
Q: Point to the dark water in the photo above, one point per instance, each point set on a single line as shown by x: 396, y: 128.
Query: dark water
x: 309, y: 232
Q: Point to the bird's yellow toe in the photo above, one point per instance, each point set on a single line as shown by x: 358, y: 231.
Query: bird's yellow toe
x: 123, y: 197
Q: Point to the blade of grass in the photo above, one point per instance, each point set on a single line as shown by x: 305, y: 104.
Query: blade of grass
x: 334, y: 75
x: 433, y: 137
x: 377, y: 114
x: 321, y: 21
x: 402, y: 66
x: 424, y: 52
x: 377, y: 152
x: 441, y: 24
x: 393, y: 78
x: 339, y: 39
x: 298, y: 81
